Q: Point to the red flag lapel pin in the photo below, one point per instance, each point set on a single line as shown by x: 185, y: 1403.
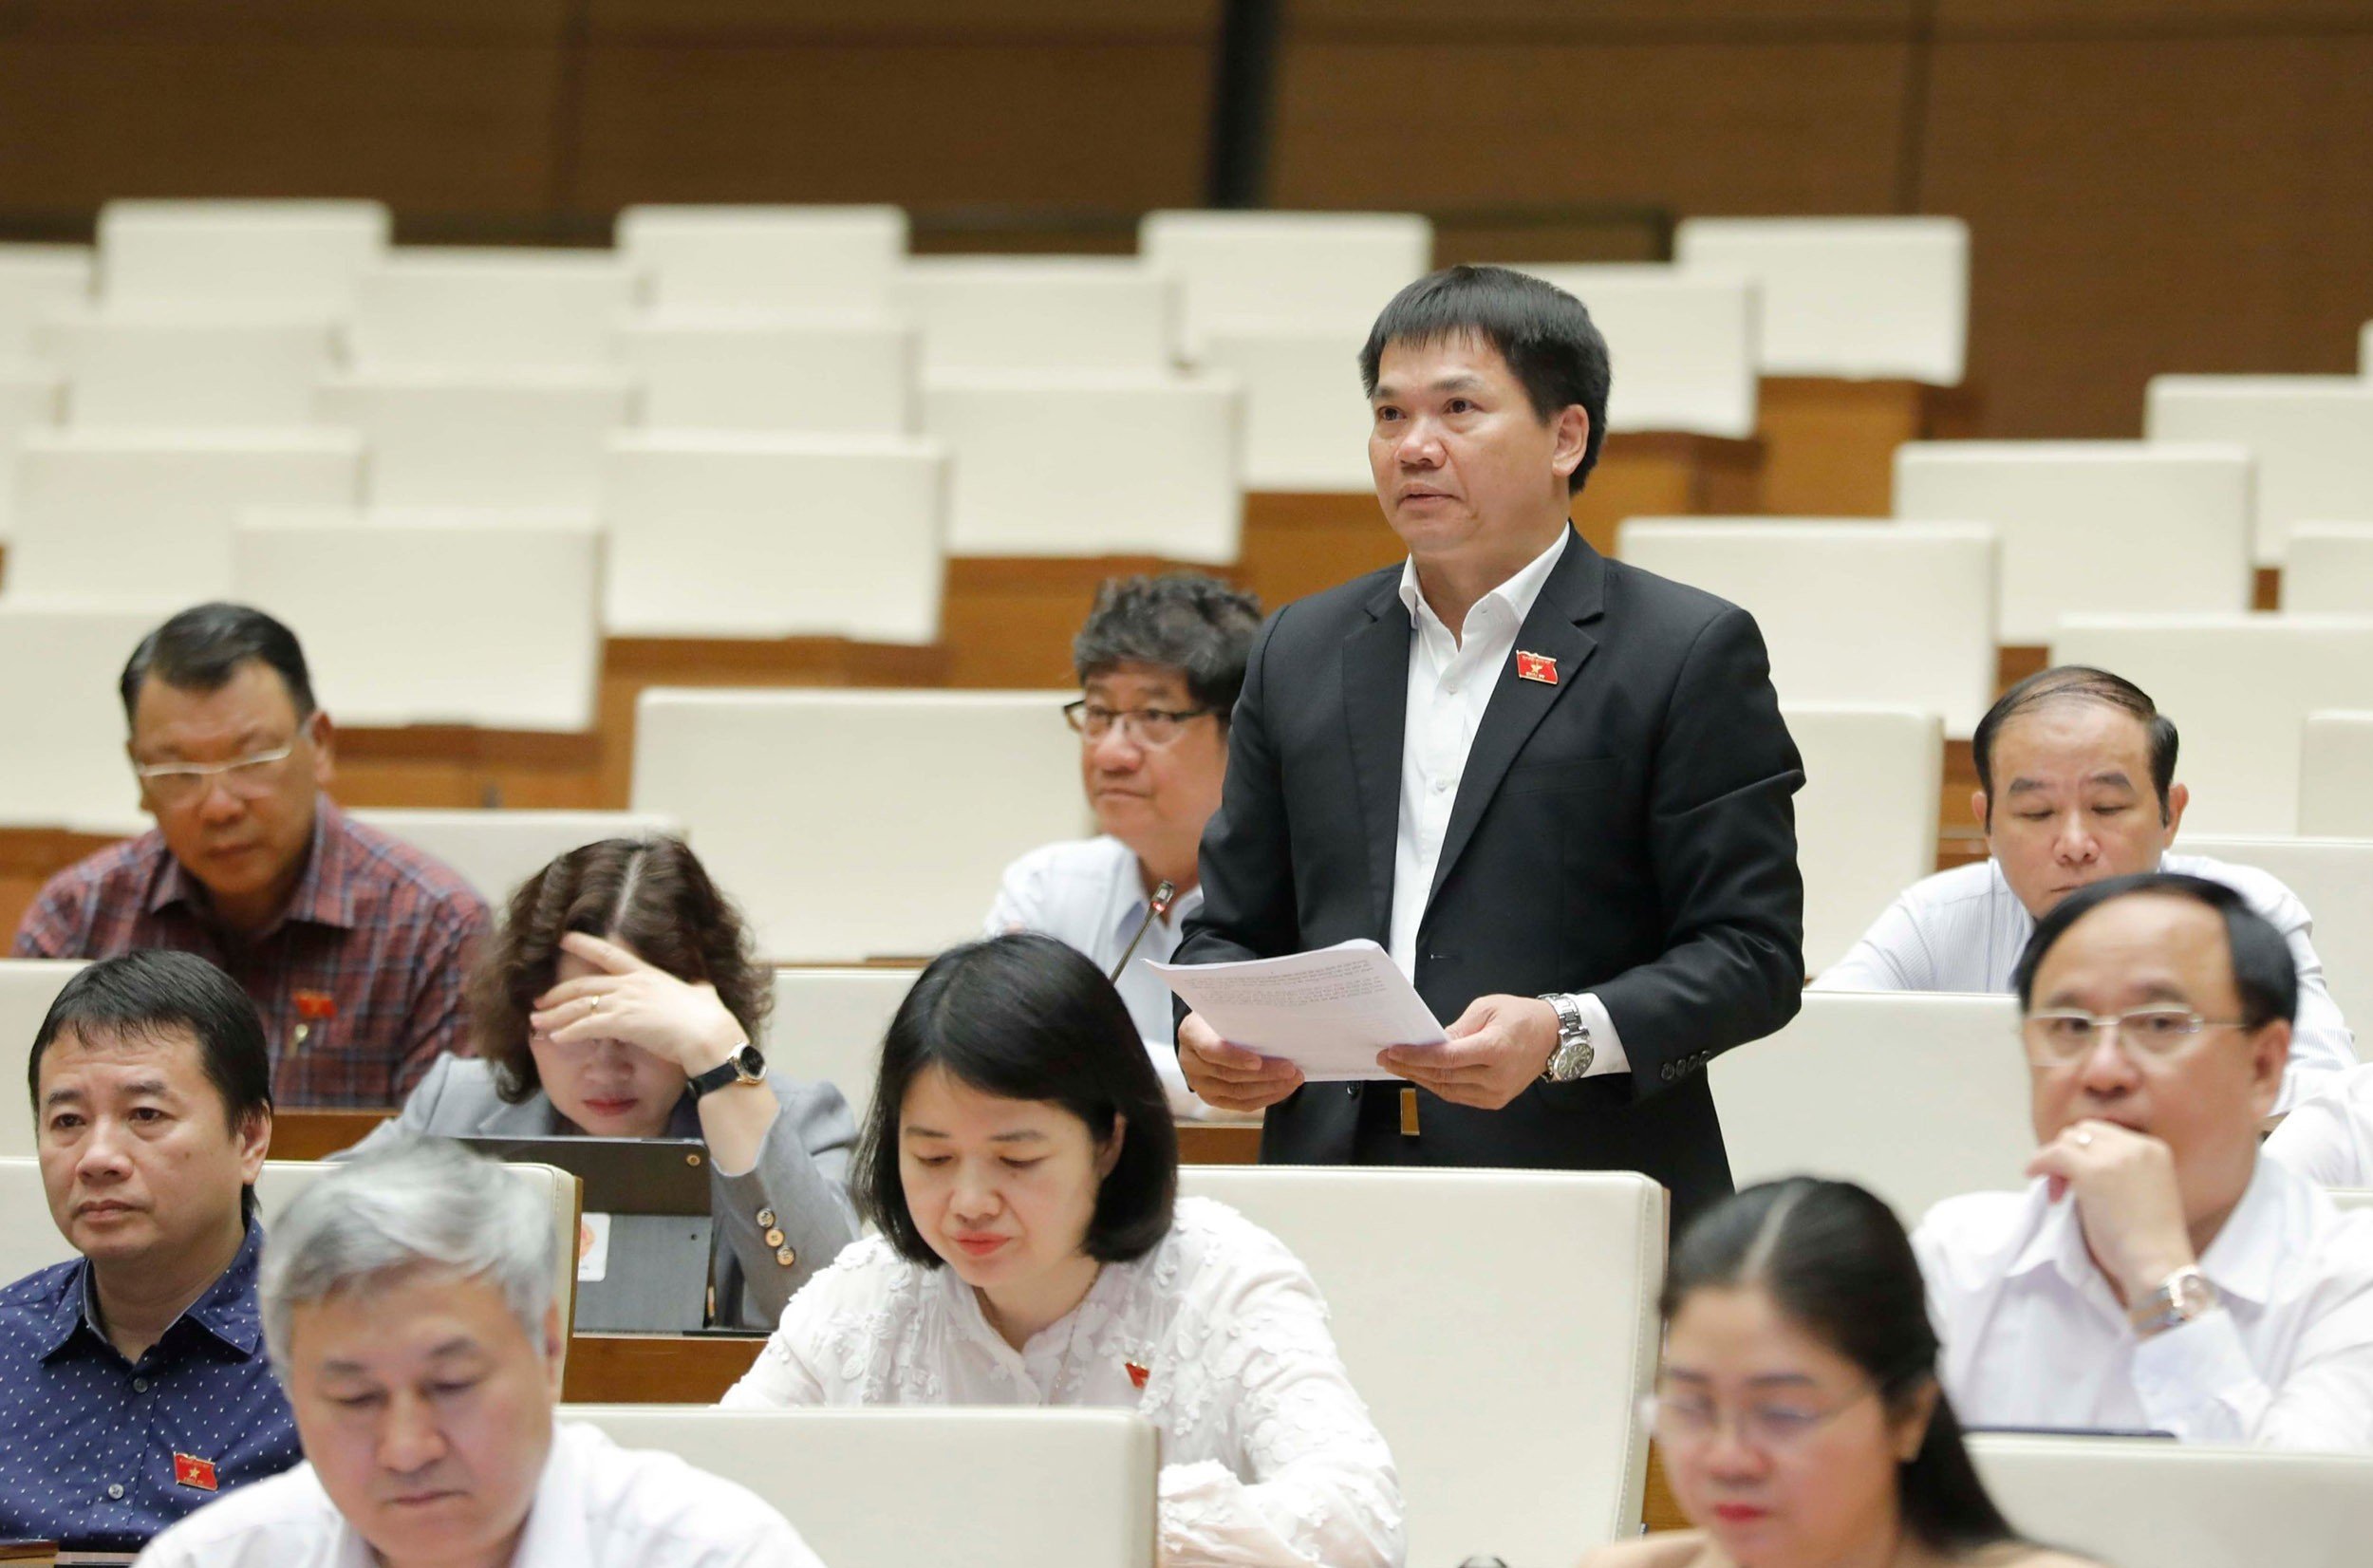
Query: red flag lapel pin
x: 1536, y: 666
x: 1137, y: 1375
x: 190, y: 1470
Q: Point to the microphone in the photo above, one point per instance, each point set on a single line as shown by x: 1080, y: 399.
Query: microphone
x: 1164, y: 894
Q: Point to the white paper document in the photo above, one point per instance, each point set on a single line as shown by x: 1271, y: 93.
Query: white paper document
x: 1328, y: 1013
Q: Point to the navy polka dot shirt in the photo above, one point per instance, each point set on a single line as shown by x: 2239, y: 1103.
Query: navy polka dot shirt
x: 87, y: 1439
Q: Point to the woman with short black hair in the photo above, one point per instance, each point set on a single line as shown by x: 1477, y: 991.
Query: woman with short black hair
x: 1798, y: 1410
x: 1020, y: 1162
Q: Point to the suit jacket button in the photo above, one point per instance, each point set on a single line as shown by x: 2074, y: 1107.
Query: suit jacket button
x: 1668, y: 1072
x: 1352, y: 1090
x: 766, y: 1220
x: 786, y: 1257
x: 774, y: 1238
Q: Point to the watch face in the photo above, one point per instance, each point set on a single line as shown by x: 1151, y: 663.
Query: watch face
x: 748, y: 1065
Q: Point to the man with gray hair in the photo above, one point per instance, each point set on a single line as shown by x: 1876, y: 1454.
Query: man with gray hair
x: 408, y: 1303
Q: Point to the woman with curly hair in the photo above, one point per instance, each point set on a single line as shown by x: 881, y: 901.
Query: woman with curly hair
x: 618, y: 999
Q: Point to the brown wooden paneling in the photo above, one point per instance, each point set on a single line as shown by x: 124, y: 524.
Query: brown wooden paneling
x: 426, y: 127
x: 1219, y: 1143
x: 1596, y: 18
x: 448, y: 21
x: 2147, y: 205
x: 2161, y: 18
x: 1061, y: 124
x: 655, y: 1368
x: 1698, y: 127
x: 1000, y: 20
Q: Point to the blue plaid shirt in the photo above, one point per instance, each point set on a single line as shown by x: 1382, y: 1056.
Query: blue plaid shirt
x: 87, y: 1439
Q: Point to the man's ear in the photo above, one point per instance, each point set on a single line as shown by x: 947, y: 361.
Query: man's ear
x: 555, y: 1345
x: 1573, y: 440
x: 1979, y: 808
x: 324, y: 735
x: 253, y: 1136
x: 2177, y: 798
x: 2269, y: 1053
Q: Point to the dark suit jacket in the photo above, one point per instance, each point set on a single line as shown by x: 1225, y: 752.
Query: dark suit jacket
x: 1627, y: 832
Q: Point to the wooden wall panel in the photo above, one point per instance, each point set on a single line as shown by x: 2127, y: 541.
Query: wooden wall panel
x: 2143, y: 205
x: 998, y: 21
x: 1583, y: 19
x: 1698, y: 127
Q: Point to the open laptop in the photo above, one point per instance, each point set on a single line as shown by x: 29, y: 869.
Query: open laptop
x: 643, y: 1245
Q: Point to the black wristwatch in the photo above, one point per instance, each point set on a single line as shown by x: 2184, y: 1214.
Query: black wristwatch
x: 743, y: 1066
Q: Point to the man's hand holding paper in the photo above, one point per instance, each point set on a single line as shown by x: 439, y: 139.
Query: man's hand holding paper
x: 1500, y: 1045
x: 1262, y: 1027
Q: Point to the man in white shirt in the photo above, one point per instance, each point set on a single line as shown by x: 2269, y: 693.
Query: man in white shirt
x: 2327, y: 1138
x: 1160, y: 662
x: 408, y: 1305
x: 2085, y: 765
x: 2156, y: 1274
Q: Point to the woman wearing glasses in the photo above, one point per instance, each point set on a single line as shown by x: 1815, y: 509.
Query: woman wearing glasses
x: 1798, y: 1411
x: 619, y: 1001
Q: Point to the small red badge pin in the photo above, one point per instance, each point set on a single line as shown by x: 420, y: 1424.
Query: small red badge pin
x: 190, y: 1470
x: 1137, y: 1375
x: 1536, y: 666
x: 315, y: 1005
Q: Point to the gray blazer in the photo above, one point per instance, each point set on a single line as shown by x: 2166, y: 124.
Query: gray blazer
x: 802, y: 1175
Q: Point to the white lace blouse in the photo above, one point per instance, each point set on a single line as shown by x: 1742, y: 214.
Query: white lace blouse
x: 1218, y: 1336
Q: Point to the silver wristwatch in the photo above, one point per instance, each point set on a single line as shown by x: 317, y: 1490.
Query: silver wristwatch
x: 1571, y: 1059
x: 2186, y: 1295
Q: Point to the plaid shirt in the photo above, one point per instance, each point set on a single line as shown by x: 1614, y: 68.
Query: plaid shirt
x: 360, y: 981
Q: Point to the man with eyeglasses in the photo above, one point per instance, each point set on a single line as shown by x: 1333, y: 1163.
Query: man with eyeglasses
x: 1160, y: 662
x: 2155, y: 1274
x: 354, y: 946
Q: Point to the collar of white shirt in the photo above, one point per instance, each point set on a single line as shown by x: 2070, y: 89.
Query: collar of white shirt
x: 1517, y: 594
x: 2240, y: 1262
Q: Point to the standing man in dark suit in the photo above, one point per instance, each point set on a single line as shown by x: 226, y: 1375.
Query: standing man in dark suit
x: 1554, y: 787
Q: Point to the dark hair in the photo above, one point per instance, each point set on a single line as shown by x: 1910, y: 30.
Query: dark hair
x: 150, y: 995
x: 1834, y: 1258
x: 2263, y: 971
x: 652, y: 895
x: 2079, y: 683
x: 1181, y: 619
x: 1544, y: 333
x: 201, y: 648
x: 1026, y: 1017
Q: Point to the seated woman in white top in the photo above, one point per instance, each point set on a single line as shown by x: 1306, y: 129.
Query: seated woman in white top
x: 1021, y: 1164
x: 1798, y: 1408
x: 618, y: 999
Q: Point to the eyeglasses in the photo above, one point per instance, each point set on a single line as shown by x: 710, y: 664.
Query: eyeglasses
x: 1691, y: 1420
x: 248, y: 777
x: 2063, y: 1038
x: 1156, y: 727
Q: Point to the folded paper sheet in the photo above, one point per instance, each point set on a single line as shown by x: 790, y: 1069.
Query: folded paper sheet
x: 1328, y: 1013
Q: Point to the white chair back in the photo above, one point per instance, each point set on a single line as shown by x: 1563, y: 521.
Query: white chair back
x: 481, y: 439
x: 2333, y: 877
x: 1685, y: 341
x: 67, y: 767
x: 1039, y: 313
x: 2177, y: 1505
x: 37, y: 281
x: 27, y: 986
x: 497, y: 851
x: 2336, y: 776
x: 1325, y: 268
x: 1948, y: 1070
x: 1866, y: 818
x: 827, y: 812
x: 717, y: 534
x: 31, y: 1242
x: 144, y: 520
x: 364, y: 597
x: 2330, y: 571
x: 1149, y: 463
x: 1305, y: 422
x: 746, y: 370
x: 828, y: 1027
x: 2091, y: 526
x: 766, y: 258
x: 1828, y: 594
x: 190, y: 369
x: 1847, y: 297
x: 2312, y: 437
x: 2239, y: 687
x: 32, y: 397
x: 293, y: 255
x: 1006, y: 1489
x: 1501, y: 1325
x: 434, y: 308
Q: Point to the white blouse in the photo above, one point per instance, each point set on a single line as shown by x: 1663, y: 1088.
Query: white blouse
x: 1218, y: 1336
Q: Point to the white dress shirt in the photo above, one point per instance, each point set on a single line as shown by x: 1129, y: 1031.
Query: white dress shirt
x: 2034, y: 1336
x: 1450, y: 682
x: 598, y: 1506
x: 1218, y: 1336
x: 1964, y: 930
x: 2327, y: 1137
x: 1090, y: 893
